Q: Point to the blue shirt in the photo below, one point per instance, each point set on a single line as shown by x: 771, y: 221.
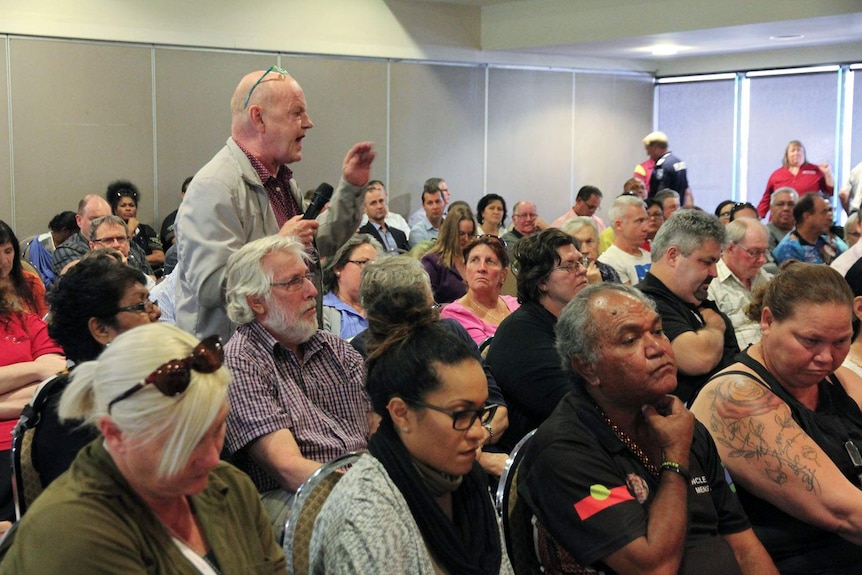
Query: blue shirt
x: 352, y: 321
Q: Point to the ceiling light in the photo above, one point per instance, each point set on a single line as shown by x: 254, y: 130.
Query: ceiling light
x: 664, y: 50
x: 787, y: 37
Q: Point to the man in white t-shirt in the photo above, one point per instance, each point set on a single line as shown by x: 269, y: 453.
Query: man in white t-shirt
x: 629, y: 219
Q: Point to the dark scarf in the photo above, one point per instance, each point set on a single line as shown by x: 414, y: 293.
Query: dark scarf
x: 469, y: 545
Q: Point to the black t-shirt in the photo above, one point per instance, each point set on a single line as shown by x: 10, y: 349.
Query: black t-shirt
x: 593, y: 494
x: 679, y: 317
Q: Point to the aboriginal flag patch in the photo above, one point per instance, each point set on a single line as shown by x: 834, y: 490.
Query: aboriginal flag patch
x: 601, y: 498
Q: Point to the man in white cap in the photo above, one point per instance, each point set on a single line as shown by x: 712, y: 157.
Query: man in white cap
x: 669, y: 170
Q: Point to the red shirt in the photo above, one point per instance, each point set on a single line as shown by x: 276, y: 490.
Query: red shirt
x: 808, y: 179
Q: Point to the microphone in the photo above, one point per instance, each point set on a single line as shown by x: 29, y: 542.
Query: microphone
x: 322, y: 195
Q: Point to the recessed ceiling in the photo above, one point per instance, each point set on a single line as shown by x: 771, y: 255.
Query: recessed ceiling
x: 629, y: 29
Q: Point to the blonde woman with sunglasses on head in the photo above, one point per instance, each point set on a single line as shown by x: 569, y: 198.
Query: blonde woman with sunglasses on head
x: 150, y: 495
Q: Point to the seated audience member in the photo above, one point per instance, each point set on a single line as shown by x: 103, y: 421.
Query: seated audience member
x: 164, y: 294
x: 621, y: 478
x: 123, y: 198
x: 482, y: 308
x: 168, y: 233
x: 342, y: 313
x: 587, y: 203
x: 738, y: 273
x: 632, y: 187
x: 852, y: 229
x: 781, y: 219
x: 92, y: 304
x: 798, y: 174
x: 635, y: 187
x: 522, y: 358
x: 27, y: 356
x: 23, y: 286
x: 586, y: 234
x: 380, y: 224
x: 150, y: 495
x: 722, y: 211
x: 281, y: 428
x: 444, y: 262
x: 40, y: 250
x: 787, y: 430
x: 418, y: 502
x: 810, y: 241
x: 397, y: 290
x: 743, y: 210
x: 684, y: 257
x: 491, y: 214
x: 90, y: 208
x: 669, y: 202
x: 109, y: 232
x: 524, y: 219
x: 435, y: 196
x: 629, y: 220
x: 655, y: 218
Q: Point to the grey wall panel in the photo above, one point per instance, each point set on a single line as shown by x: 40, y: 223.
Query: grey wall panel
x: 347, y: 104
x: 530, y: 138
x: 612, y: 115
x: 801, y: 107
x: 698, y: 120
x: 6, y: 213
x: 82, y: 117
x: 437, y: 129
x: 193, y: 91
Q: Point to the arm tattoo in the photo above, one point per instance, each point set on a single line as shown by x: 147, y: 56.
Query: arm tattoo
x: 736, y: 404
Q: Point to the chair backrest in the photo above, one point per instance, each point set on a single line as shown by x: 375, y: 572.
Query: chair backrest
x: 307, y: 502
x: 518, y: 529
x: 26, y: 484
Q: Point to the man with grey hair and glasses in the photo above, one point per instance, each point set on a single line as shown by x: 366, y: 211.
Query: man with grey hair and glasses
x: 248, y: 192
x: 684, y: 255
x: 739, y: 272
x: 621, y: 478
x: 298, y: 396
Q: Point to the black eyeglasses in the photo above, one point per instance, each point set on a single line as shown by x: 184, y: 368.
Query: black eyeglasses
x: 583, y: 262
x: 462, y: 420
x: 122, y: 240
x: 173, y: 378
x: 140, y: 307
x: 273, y: 68
x: 296, y: 283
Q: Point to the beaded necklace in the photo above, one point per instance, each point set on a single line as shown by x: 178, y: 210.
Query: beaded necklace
x: 630, y: 443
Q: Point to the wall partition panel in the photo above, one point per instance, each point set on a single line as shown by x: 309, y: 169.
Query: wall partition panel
x: 530, y: 148
x: 437, y: 120
x: 855, y: 150
x: 347, y: 104
x: 783, y: 108
x: 698, y: 118
x: 6, y: 173
x: 612, y: 115
x: 192, y: 93
x: 82, y: 117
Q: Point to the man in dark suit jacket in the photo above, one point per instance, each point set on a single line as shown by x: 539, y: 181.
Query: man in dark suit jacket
x: 390, y: 238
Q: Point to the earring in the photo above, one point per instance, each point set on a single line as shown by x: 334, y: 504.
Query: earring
x: 405, y: 429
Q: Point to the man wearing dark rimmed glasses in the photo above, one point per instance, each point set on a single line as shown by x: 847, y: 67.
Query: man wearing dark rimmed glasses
x: 248, y: 192
x: 297, y: 396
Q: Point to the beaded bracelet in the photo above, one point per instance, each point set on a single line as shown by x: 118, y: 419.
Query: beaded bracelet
x: 676, y: 468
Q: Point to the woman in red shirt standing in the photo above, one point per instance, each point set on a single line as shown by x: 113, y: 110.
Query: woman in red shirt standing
x: 798, y: 174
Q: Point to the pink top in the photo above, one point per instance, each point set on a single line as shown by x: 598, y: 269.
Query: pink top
x: 478, y: 329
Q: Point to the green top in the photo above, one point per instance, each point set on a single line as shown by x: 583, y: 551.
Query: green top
x: 89, y: 521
